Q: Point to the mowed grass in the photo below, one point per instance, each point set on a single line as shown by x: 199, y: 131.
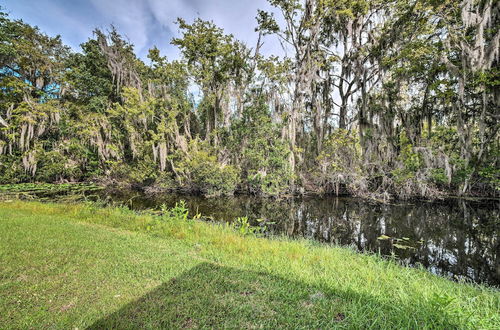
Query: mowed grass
x: 81, y: 266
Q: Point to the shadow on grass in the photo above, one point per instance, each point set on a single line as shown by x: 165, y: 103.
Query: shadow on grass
x: 213, y: 296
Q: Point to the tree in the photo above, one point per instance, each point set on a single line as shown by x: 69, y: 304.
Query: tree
x: 215, y: 61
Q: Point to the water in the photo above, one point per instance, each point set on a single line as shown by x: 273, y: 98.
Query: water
x: 457, y: 239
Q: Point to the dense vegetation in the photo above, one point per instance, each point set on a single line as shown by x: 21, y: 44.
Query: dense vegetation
x: 379, y: 98
x: 118, y: 269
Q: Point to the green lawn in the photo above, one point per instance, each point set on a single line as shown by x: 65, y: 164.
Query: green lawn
x: 79, y: 266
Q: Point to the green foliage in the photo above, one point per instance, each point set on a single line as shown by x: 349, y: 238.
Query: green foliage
x: 492, y: 175
x: 164, y: 181
x: 341, y: 152
x: 438, y: 175
x: 179, y: 212
x: 410, y: 160
x: 136, y: 174
x: 215, y: 60
x: 200, y: 170
x: 411, y: 109
x: 12, y: 170
x: 243, y: 226
x: 90, y: 78
x: 262, y: 153
x: 340, y: 161
x: 53, y: 166
x: 61, y: 192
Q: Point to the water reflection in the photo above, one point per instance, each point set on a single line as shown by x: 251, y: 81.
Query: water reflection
x: 457, y: 239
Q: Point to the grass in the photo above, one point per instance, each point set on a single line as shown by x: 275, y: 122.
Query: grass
x: 65, y: 192
x: 81, y: 266
x: 48, y: 187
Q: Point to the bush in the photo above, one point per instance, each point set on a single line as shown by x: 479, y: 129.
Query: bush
x: 12, y: 170
x: 268, y: 171
x: 53, y: 166
x: 243, y: 226
x: 257, y: 145
x: 339, y: 163
x: 491, y: 174
x: 138, y: 173
x: 200, y: 170
x: 438, y: 176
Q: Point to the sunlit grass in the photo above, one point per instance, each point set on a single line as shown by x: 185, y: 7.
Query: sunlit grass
x: 77, y: 265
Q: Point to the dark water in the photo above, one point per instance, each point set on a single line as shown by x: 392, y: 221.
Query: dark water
x: 458, y: 239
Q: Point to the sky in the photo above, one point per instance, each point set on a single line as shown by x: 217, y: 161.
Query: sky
x: 144, y: 22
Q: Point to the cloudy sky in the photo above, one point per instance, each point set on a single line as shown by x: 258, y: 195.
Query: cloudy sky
x: 144, y: 22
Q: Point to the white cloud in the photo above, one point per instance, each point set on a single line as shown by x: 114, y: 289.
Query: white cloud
x: 234, y: 16
x: 130, y: 18
x: 56, y: 20
x: 144, y: 22
x: 166, y: 12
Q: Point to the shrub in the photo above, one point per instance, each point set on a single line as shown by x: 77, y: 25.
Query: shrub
x: 12, y: 170
x: 268, y: 171
x: 243, y: 226
x: 257, y: 145
x: 200, y: 170
x: 339, y: 163
x: 138, y: 173
x: 55, y: 166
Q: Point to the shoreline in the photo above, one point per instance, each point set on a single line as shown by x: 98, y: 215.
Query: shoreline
x: 361, y: 289
x: 93, y: 185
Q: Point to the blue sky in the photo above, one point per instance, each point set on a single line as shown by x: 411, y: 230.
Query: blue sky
x: 144, y: 22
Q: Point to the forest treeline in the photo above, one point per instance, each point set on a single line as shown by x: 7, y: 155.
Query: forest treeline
x: 381, y: 98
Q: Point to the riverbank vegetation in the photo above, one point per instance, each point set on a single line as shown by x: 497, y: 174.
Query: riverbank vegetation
x: 117, y: 268
x: 383, y: 99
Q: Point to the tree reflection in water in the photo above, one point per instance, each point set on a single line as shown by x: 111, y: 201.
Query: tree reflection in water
x: 458, y: 239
